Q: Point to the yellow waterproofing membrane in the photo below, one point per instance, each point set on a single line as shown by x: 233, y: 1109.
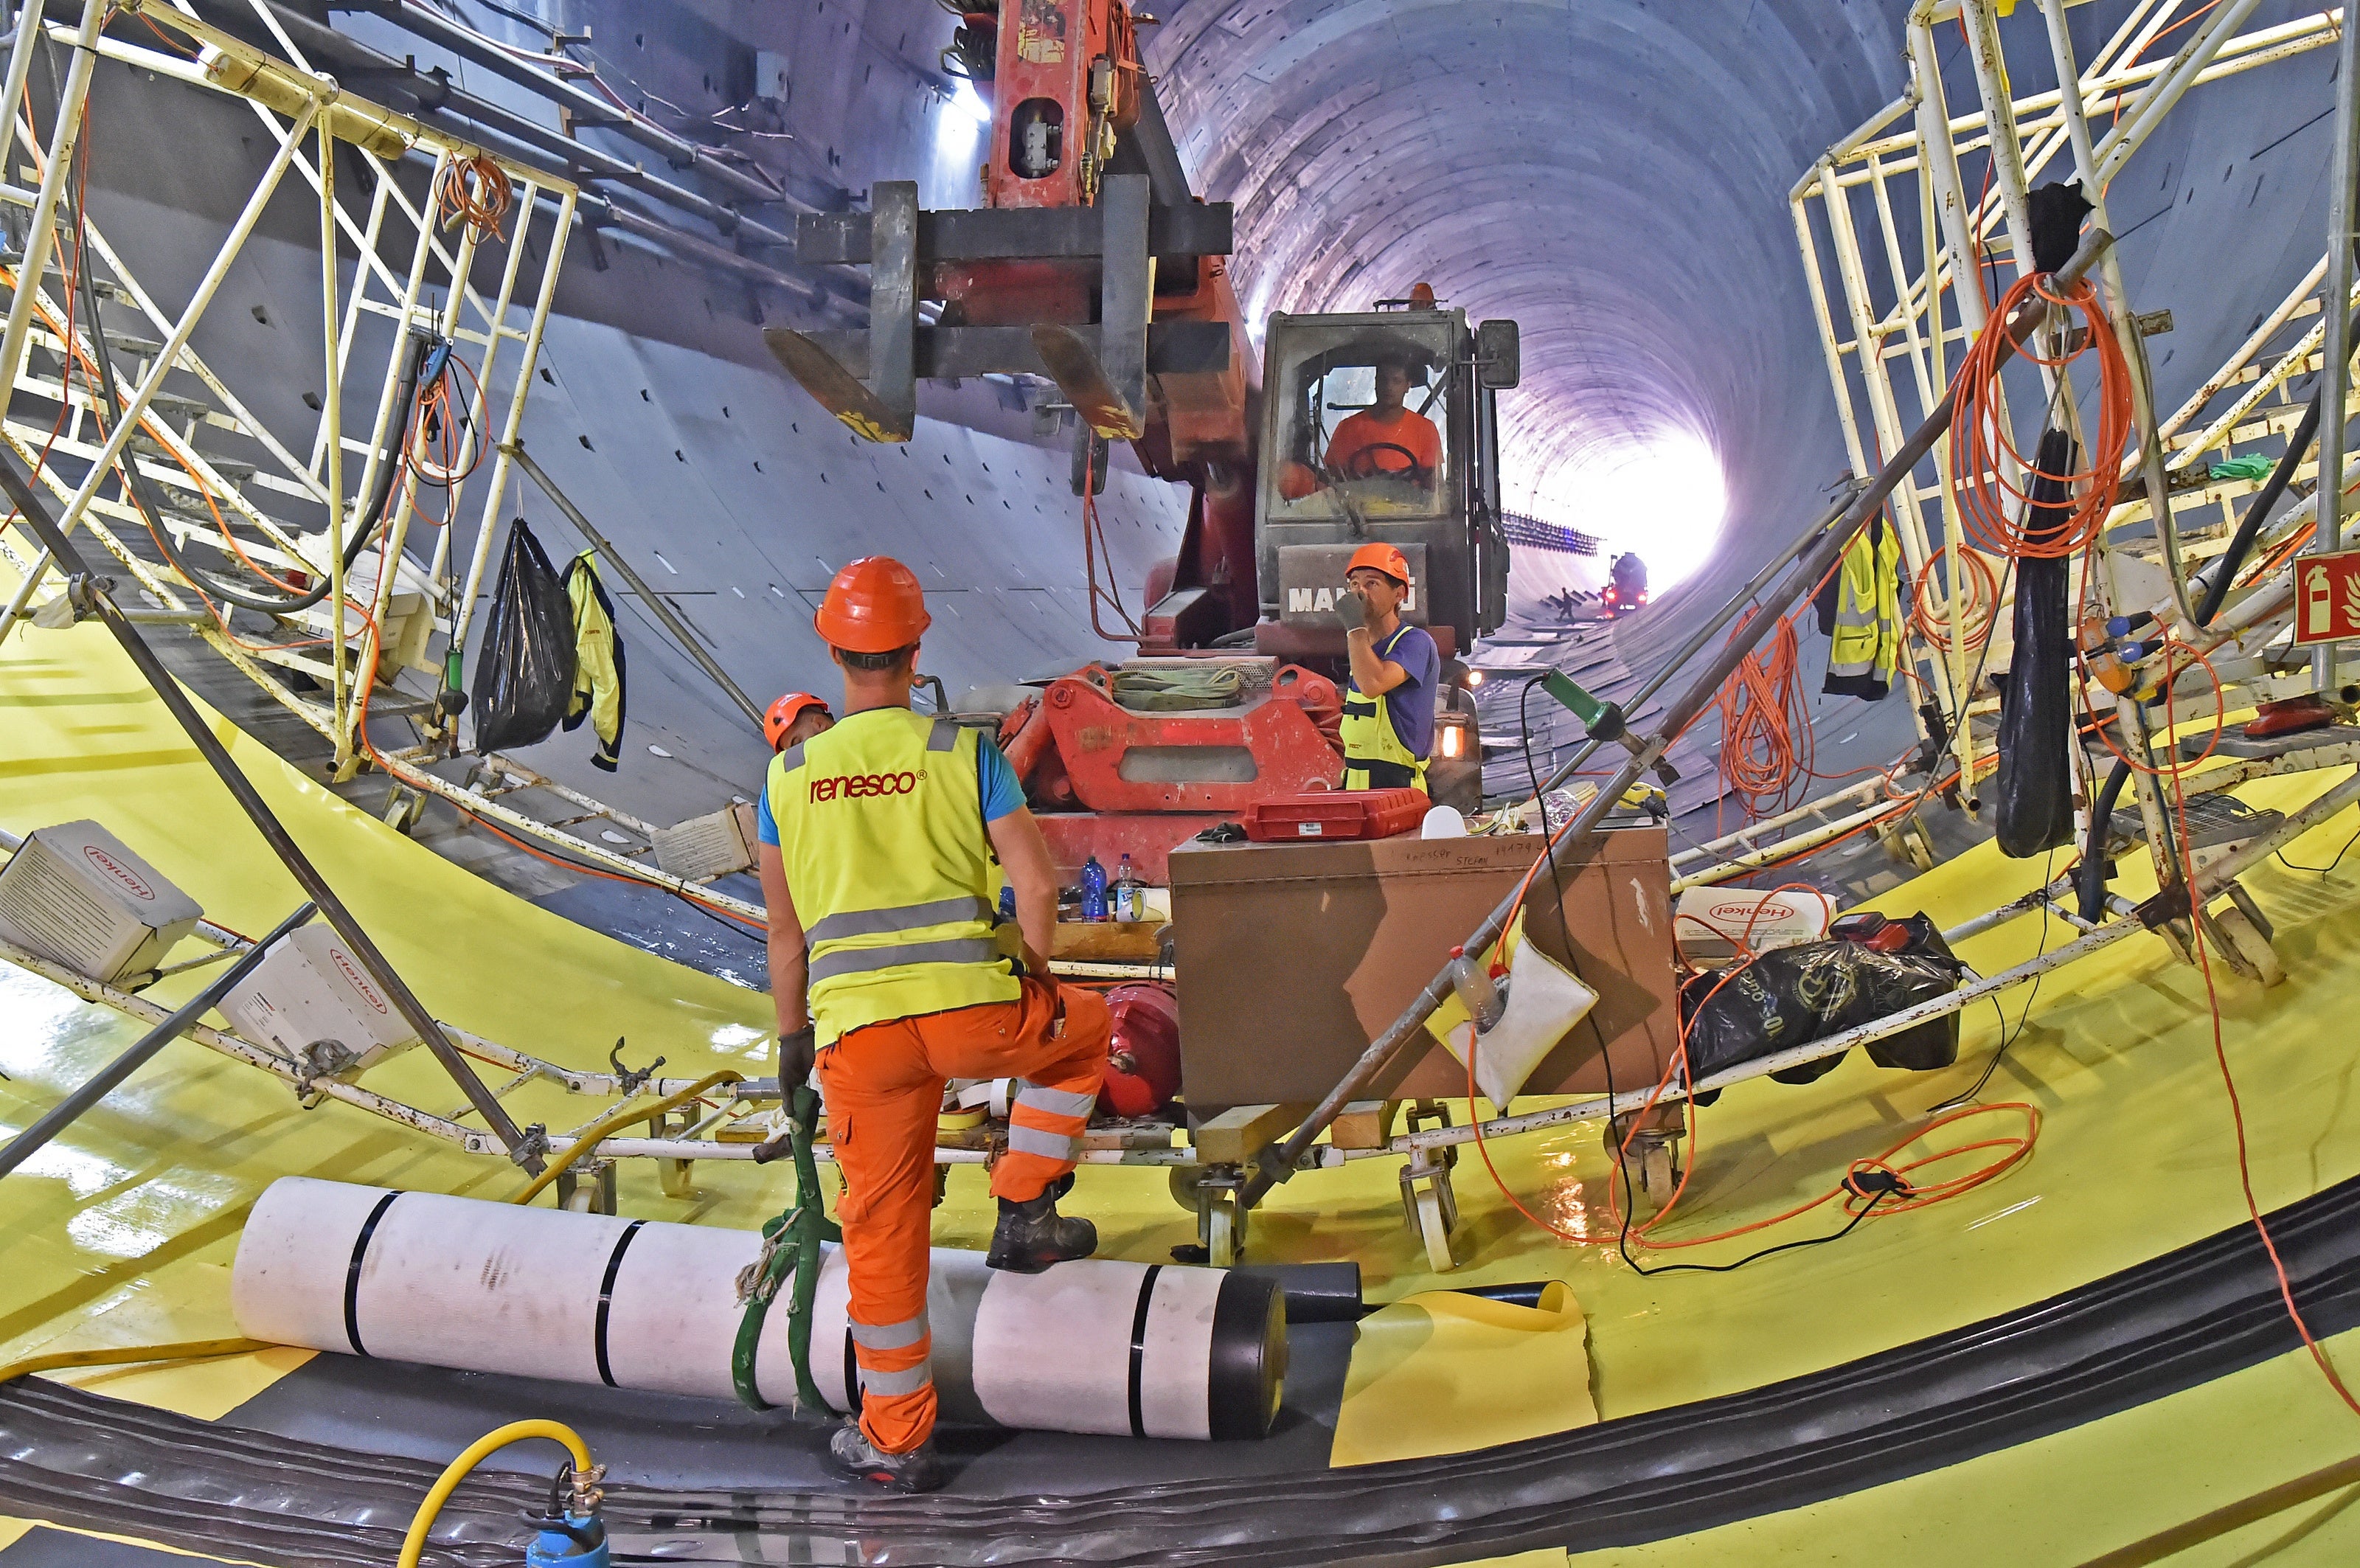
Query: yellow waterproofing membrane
x: 120, y: 1231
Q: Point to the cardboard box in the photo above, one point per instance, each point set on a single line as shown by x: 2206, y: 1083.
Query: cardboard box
x: 1711, y: 921
x: 706, y: 847
x: 1293, y: 957
x: 312, y: 1000
x: 77, y: 896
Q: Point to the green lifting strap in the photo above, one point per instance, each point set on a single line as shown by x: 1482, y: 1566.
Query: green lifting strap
x: 791, y: 1241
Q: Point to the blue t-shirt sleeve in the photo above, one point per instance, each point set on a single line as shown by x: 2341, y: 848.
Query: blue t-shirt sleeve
x: 996, y: 780
x: 1411, y: 710
x: 766, y: 826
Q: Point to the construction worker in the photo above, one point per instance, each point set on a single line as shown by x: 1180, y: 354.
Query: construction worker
x: 1387, y: 441
x: 1859, y: 608
x: 1388, y: 728
x: 795, y: 718
x: 879, y: 885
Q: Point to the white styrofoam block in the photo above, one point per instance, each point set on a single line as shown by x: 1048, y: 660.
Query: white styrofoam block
x: 308, y: 990
x: 1710, y: 923
x: 78, y: 896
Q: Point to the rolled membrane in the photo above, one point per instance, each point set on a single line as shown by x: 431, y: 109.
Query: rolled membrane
x: 1096, y: 1345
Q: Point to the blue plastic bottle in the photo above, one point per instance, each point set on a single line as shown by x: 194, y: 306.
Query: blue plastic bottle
x: 1094, y: 890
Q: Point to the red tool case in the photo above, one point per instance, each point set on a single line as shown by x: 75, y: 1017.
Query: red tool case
x: 1336, y: 814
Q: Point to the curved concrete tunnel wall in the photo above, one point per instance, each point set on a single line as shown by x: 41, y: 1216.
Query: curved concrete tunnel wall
x: 1611, y: 172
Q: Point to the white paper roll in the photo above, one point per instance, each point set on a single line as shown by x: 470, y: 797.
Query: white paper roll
x: 1098, y: 1345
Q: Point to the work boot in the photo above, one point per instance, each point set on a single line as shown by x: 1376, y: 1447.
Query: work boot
x: 850, y: 1450
x: 1031, y: 1235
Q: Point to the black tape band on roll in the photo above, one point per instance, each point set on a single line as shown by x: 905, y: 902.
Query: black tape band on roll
x: 1139, y: 1344
x: 851, y: 1370
x: 352, y: 1272
x: 1248, y: 1356
x: 606, y: 1299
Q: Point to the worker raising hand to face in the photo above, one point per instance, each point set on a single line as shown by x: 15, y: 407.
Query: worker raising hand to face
x: 1388, y: 728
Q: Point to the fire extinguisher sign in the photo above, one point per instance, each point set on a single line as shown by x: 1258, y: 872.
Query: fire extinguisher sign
x: 2327, y: 598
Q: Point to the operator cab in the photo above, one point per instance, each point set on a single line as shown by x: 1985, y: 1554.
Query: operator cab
x: 1381, y: 426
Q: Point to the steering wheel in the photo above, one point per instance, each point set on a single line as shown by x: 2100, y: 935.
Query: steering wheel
x: 1364, y: 465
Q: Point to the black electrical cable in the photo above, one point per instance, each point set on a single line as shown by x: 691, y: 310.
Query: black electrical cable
x: 2008, y: 1037
x: 2330, y: 866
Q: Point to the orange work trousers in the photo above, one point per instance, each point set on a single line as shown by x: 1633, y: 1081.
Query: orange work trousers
x: 883, y: 1085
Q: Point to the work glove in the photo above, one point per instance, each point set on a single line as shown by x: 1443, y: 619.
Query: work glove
x: 795, y: 1053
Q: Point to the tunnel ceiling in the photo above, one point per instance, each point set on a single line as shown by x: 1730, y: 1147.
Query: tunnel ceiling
x: 1613, y: 173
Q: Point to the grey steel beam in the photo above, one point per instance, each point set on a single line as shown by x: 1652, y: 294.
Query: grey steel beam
x: 1173, y: 348
x: 1007, y: 233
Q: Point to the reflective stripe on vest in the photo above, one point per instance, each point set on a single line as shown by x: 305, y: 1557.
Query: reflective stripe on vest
x: 881, y: 835
x: 1368, y: 734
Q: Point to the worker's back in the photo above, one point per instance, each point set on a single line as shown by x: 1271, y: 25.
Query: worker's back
x: 881, y: 830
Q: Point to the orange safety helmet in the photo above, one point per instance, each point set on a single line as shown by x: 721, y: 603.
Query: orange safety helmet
x: 874, y: 606
x: 1379, y: 556
x: 784, y: 712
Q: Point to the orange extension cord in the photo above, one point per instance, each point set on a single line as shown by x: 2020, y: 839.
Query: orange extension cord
x: 1983, y: 450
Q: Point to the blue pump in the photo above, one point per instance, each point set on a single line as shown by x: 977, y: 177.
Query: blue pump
x: 577, y: 1541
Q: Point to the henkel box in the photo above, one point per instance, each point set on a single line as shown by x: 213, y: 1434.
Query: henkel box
x: 77, y: 896
x: 1710, y: 922
x: 312, y: 1000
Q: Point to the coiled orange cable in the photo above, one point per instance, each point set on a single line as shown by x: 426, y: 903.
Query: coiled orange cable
x: 1993, y: 510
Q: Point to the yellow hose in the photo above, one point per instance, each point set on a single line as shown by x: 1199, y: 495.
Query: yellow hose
x: 414, y: 1543
x: 587, y: 1139
x: 187, y: 1350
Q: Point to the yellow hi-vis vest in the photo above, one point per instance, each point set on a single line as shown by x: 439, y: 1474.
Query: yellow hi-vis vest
x: 881, y: 830
x: 1368, y: 735
x: 1866, y: 636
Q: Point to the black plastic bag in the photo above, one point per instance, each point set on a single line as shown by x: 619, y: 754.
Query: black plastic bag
x: 524, y: 670
x: 1793, y: 996
x: 2036, y: 769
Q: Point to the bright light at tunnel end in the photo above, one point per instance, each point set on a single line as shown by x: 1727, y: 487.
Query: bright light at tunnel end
x: 1663, y: 496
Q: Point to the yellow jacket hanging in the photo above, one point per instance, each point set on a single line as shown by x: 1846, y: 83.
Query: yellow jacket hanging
x: 599, y: 661
x: 1865, y: 625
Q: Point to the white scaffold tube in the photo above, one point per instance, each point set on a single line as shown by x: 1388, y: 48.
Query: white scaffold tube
x: 1098, y: 1345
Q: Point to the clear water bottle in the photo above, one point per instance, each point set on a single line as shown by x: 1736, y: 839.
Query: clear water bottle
x: 1130, y: 894
x: 1094, y: 890
x: 1472, y: 982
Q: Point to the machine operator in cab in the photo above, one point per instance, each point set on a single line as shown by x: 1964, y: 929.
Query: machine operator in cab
x: 1388, y: 729
x: 1387, y: 441
x: 889, y: 966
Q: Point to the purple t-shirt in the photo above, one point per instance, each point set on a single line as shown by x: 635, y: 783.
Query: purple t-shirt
x: 1410, y: 705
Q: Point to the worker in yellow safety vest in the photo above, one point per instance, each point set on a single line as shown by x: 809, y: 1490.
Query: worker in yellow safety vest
x: 795, y: 718
x: 1388, y: 728
x: 889, y: 967
x: 1861, y: 612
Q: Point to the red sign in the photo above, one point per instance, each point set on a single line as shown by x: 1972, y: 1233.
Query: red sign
x: 2327, y: 598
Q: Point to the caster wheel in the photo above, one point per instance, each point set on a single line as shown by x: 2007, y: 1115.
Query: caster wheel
x: 1181, y: 1181
x: 1650, y: 1168
x: 1434, y: 1224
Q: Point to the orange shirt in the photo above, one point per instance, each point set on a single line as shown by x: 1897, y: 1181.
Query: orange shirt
x: 1410, y: 432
